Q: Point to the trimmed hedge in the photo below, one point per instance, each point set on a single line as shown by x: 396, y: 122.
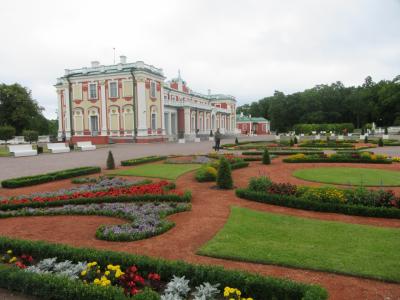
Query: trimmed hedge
x: 283, y: 152
x: 48, y: 177
x: 336, y: 160
x: 239, y: 165
x: 142, y: 160
x: 187, y: 196
x: 256, y: 286
x: 296, y: 202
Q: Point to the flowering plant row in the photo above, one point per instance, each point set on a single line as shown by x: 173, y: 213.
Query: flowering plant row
x: 364, y: 157
x: 146, y: 219
x: 130, y: 280
x: 159, y: 188
x: 47, y: 285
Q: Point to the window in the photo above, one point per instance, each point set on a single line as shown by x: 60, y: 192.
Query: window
x: 92, y: 91
x: 113, y: 89
x: 153, y: 121
x: 127, y: 87
x: 153, y: 89
x: 77, y: 91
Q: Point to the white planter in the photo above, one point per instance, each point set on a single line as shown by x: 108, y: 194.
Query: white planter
x: 362, y: 136
x: 277, y: 137
x: 211, y: 139
x: 197, y: 140
x: 181, y: 141
x: 385, y: 136
x: 318, y: 137
x: 340, y: 137
x: 302, y: 134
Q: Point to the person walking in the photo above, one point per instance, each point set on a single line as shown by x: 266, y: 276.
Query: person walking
x: 217, y: 138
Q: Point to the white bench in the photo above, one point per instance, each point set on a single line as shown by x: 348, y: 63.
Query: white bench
x: 44, y: 139
x: 86, y: 146
x: 22, y: 150
x: 57, y: 148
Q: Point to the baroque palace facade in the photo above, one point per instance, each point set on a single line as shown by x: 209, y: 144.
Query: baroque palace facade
x: 129, y: 102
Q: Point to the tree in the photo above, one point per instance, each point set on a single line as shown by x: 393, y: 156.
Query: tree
x: 7, y: 133
x: 19, y: 110
x: 110, y: 161
x: 224, y: 175
x: 266, y: 159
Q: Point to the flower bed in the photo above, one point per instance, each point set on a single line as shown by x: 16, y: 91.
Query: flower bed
x: 140, y: 276
x: 141, y: 160
x: 283, y: 152
x: 147, y: 219
x: 359, y: 201
x: 209, y: 172
x: 42, y: 178
x: 160, y: 191
x: 364, y: 157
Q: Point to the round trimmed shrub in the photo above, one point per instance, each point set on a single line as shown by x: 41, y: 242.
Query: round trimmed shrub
x: 30, y: 135
x: 224, y: 175
x: 205, y: 174
x: 7, y: 133
x: 259, y: 184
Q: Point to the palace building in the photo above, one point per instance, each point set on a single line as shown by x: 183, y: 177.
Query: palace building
x: 129, y: 102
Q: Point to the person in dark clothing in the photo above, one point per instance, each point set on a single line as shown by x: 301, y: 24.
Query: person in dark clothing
x: 217, y: 138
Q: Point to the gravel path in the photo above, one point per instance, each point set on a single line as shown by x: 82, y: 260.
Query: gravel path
x: 210, y: 210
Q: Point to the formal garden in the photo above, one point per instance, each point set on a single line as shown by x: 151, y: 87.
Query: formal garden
x: 259, y: 220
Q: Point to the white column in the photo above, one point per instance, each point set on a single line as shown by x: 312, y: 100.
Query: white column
x: 162, y: 110
x: 103, y: 109
x: 67, y: 113
x: 59, y: 115
x: 141, y: 107
x: 187, y: 120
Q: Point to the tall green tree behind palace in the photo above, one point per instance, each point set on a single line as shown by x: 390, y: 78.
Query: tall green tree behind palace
x: 370, y: 102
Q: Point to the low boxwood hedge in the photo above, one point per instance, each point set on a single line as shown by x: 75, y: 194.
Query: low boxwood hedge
x: 337, y: 160
x: 142, y: 160
x: 256, y: 286
x: 239, y: 165
x: 296, y: 202
x: 282, y: 152
x: 53, y: 176
x: 186, y: 197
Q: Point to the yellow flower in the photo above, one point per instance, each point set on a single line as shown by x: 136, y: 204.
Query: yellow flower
x: 9, y: 251
x: 83, y: 273
x: 96, y: 281
x: 98, y: 271
x: 107, y: 273
x: 13, y: 260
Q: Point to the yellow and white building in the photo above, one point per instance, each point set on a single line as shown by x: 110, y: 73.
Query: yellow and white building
x: 129, y: 102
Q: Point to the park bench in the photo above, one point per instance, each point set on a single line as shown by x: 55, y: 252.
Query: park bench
x: 22, y: 150
x: 57, y: 148
x: 85, y: 146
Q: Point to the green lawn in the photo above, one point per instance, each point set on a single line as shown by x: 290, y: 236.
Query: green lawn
x: 310, y: 244
x: 166, y: 171
x: 4, y: 151
x: 350, y: 176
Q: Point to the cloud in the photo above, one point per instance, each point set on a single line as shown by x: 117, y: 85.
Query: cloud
x: 244, y: 48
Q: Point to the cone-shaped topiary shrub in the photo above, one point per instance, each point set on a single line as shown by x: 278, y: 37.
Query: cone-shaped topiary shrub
x: 110, y: 161
x: 236, y: 141
x: 366, y: 139
x: 380, y: 142
x: 266, y: 160
x: 295, y: 141
x: 224, y: 176
x: 291, y: 143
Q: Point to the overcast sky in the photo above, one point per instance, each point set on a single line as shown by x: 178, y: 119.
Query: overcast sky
x: 244, y: 48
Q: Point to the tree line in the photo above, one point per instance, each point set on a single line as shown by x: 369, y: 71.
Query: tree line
x: 19, y: 111
x: 377, y: 102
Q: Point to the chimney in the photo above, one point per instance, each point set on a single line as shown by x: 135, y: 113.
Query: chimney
x: 122, y: 59
x: 95, y: 63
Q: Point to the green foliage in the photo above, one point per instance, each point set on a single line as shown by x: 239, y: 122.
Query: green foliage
x: 30, y: 135
x: 386, y: 130
x: 239, y: 165
x: 259, y: 184
x: 259, y: 287
x: 53, y: 176
x: 19, y: 110
x: 206, y: 173
x: 380, y: 142
x: 331, y: 104
x: 295, y: 140
x: 266, y: 160
x: 110, y: 161
x: 306, y: 204
x: 366, y: 139
x: 142, y: 160
x: 7, y: 133
x: 236, y: 141
x: 224, y: 176
x: 291, y: 143
x: 334, y: 158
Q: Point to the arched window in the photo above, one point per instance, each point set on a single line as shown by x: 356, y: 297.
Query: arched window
x: 93, y: 120
x: 113, y: 113
x: 78, y: 121
x: 128, y: 119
